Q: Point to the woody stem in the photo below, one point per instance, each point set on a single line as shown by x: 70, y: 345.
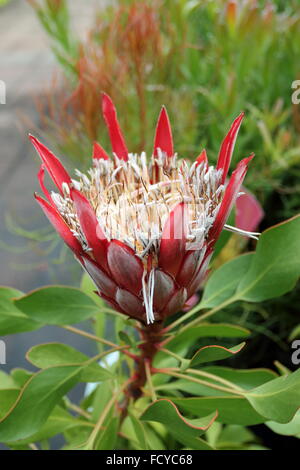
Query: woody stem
x: 151, y: 336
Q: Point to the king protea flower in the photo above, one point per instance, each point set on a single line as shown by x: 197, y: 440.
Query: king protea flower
x: 143, y: 231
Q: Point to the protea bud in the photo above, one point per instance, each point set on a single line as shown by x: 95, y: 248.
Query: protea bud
x: 144, y: 231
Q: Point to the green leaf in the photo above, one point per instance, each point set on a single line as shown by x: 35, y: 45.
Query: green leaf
x: 76, y: 436
x: 36, y: 401
x: 295, y: 333
x: 58, y: 354
x: 206, y: 330
x: 6, y: 381
x: 126, y: 338
x: 107, y: 439
x: 235, y: 435
x: 7, y: 399
x: 244, y: 378
x: 57, y: 305
x: 139, y: 431
x: 185, y: 431
x: 12, y: 320
x: 231, y: 410
x: 223, y: 282
x: 21, y: 376
x: 275, y: 268
x: 101, y: 397
x: 214, y: 353
x: 289, y: 429
x: 279, y: 399
x: 58, y: 422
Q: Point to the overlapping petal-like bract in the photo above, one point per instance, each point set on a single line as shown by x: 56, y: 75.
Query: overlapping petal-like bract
x: 143, y: 268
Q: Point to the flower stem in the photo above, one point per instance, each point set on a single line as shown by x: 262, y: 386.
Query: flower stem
x: 151, y: 336
x: 149, y: 381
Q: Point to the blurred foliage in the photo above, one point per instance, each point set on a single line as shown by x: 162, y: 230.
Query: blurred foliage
x: 3, y: 2
x: 206, y: 61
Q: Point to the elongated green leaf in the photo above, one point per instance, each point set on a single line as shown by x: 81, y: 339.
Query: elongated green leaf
x: 235, y: 435
x: 275, y: 268
x: 76, y: 436
x: 107, y: 438
x: 209, y: 330
x: 295, y: 333
x: 279, y: 399
x: 101, y: 397
x: 214, y: 353
x: 57, y: 305
x: 185, y: 431
x: 12, y: 320
x: 6, y: 381
x: 223, y: 283
x: 59, y: 421
x: 194, y: 389
x: 231, y: 410
x: 58, y: 354
x: 139, y: 431
x: 36, y: 401
x: 21, y: 376
x: 7, y: 399
x: 289, y: 429
x: 244, y: 378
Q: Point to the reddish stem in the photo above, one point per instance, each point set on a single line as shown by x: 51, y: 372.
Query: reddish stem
x: 151, y: 336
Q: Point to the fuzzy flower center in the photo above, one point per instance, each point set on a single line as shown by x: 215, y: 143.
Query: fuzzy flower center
x: 133, y: 199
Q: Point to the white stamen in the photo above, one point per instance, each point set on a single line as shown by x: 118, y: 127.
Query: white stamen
x: 254, y: 235
x: 148, y: 291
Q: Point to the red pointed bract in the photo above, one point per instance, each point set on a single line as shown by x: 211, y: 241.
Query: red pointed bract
x: 59, y: 224
x: 176, y: 302
x: 115, y: 133
x: 202, y: 158
x: 90, y: 227
x: 55, y: 169
x: 173, y: 240
x: 227, y: 147
x: 229, y: 198
x: 164, y: 287
x: 41, y: 175
x: 99, y: 152
x: 163, y: 136
x: 125, y: 267
x: 130, y: 303
x: 103, y: 282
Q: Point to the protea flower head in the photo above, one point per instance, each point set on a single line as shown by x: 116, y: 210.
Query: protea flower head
x: 144, y: 231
